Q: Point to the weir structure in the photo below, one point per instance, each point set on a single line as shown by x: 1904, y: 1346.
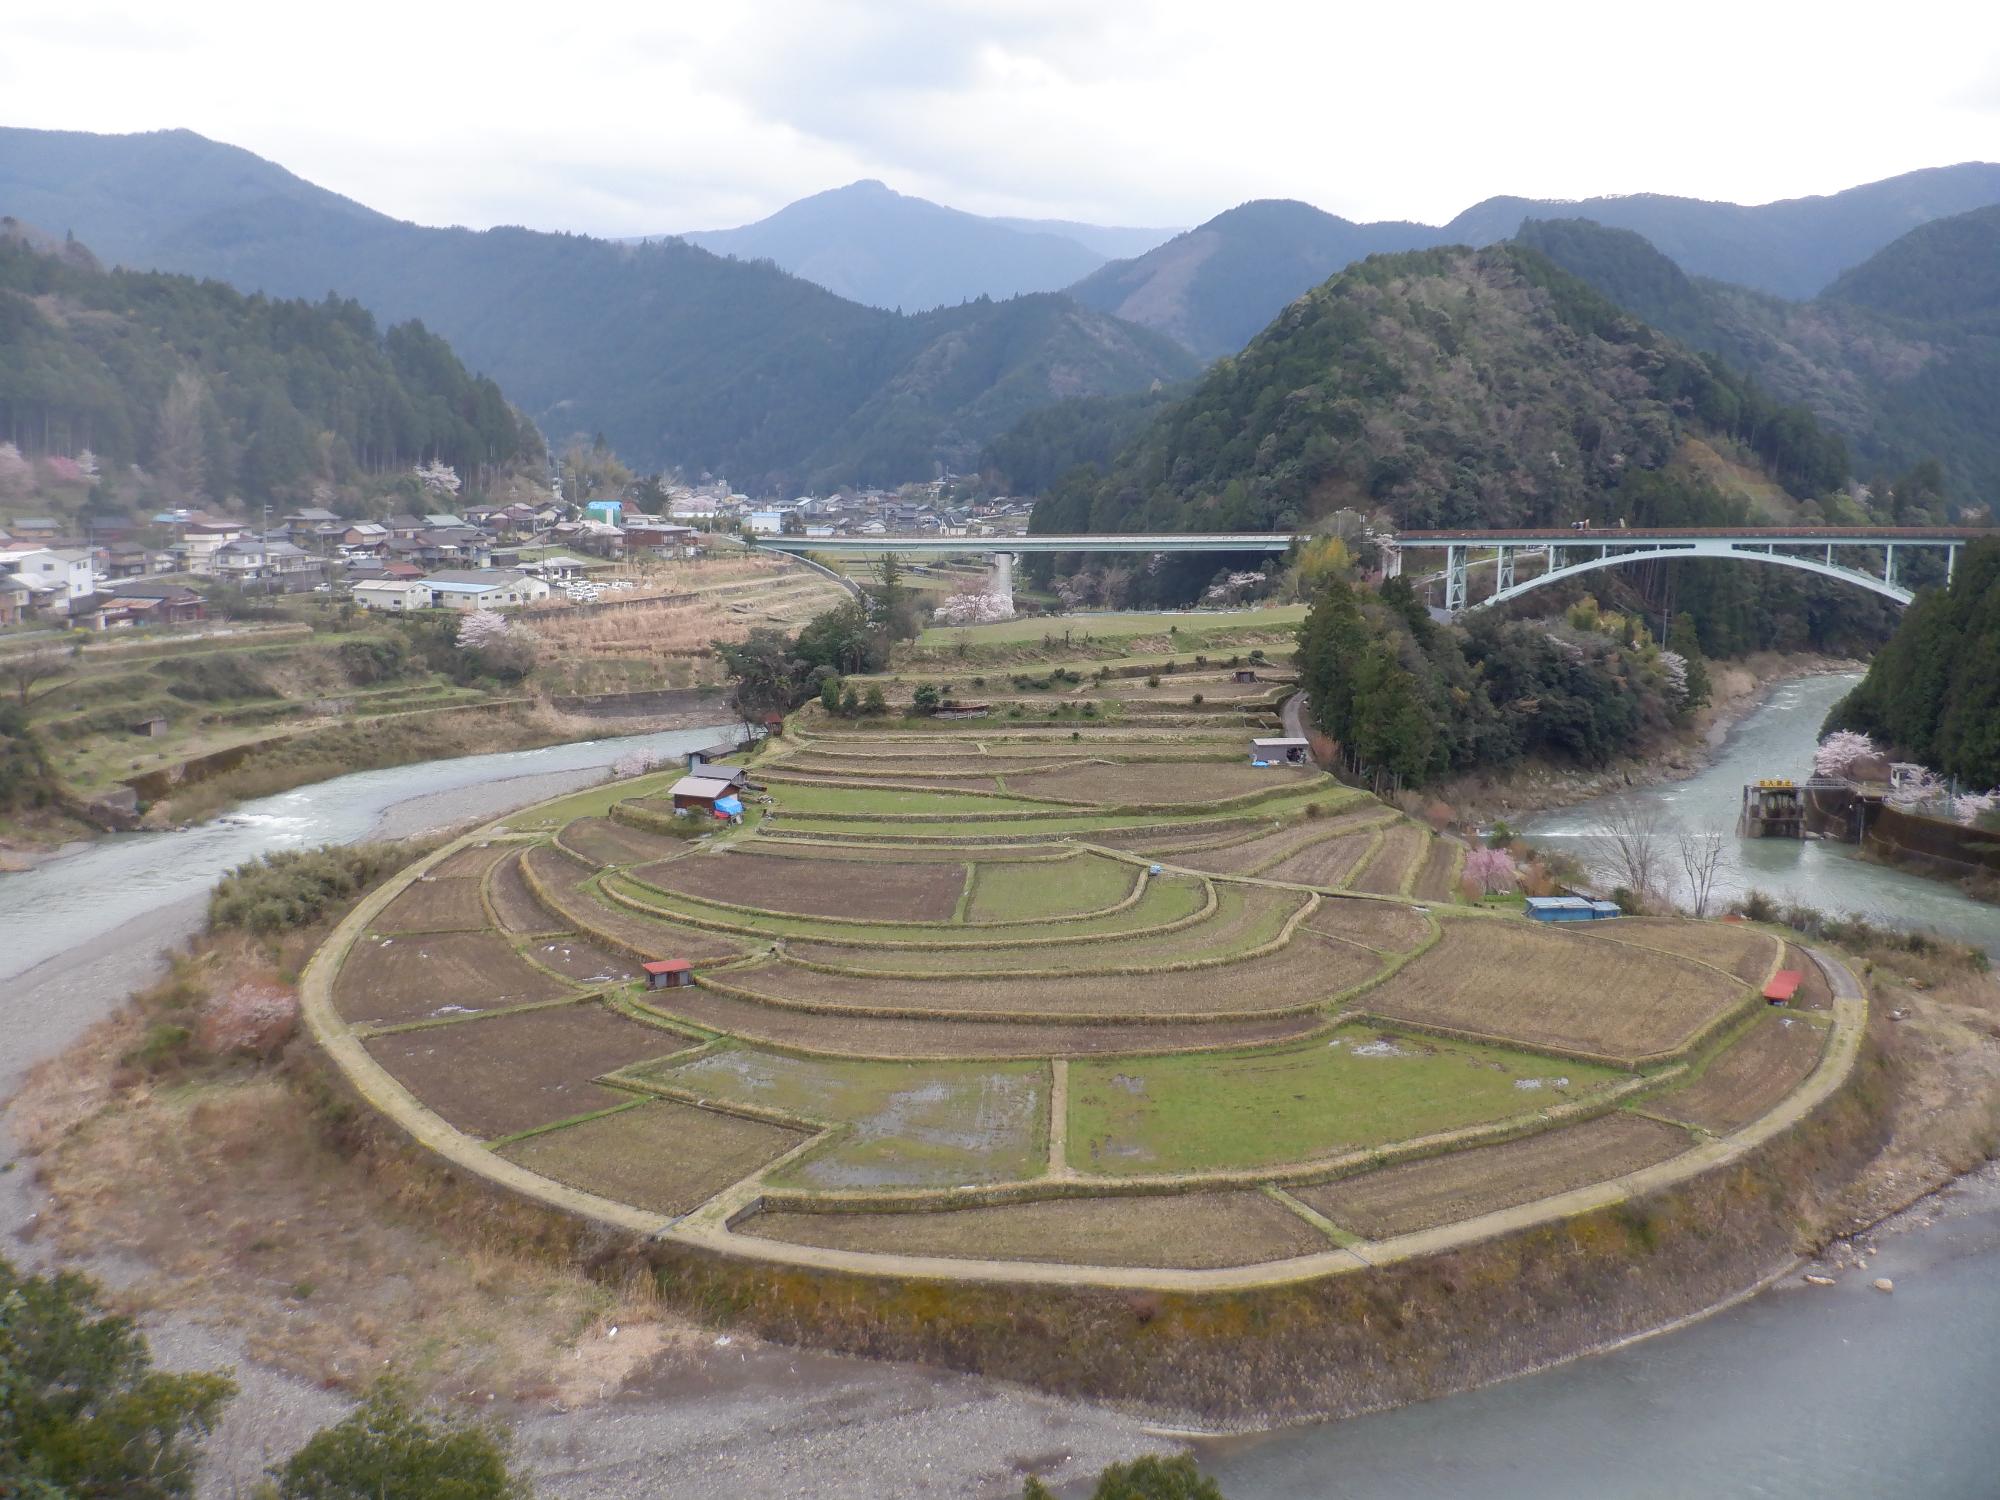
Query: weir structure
x: 1865, y: 556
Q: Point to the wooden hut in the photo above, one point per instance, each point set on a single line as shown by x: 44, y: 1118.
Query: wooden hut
x: 669, y: 974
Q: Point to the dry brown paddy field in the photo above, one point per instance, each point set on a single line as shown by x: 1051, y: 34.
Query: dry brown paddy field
x: 1244, y: 1027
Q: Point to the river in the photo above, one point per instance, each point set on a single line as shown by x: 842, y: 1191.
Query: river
x: 1777, y: 739
x: 89, y: 895
x: 1796, y: 1393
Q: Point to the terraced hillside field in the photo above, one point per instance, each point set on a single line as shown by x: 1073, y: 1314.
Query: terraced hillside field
x: 1095, y: 995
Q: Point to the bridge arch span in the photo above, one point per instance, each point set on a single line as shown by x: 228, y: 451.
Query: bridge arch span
x: 1891, y: 591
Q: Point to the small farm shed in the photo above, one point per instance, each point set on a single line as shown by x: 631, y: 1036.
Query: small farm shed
x: 698, y: 793
x: 1569, y: 909
x: 1244, y: 674
x: 1278, y: 752
x: 668, y: 974
x: 152, y: 727
x: 1783, y: 986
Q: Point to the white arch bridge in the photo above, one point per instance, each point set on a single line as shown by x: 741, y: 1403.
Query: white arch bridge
x: 1865, y: 556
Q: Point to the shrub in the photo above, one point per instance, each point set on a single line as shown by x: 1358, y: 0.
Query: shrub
x: 292, y: 887
x: 388, y: 1451
x: 1154, y: 680
x: 1196, y: 701
x: 874, y: 703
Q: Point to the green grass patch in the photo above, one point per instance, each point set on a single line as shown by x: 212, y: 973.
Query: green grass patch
x: 1027, y: 893
x: 907, y: 1124
x: 1111, y: 627
x: 597, y: 801
x: 1362, y: 1087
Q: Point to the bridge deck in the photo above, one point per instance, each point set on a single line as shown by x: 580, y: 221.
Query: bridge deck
x: 1600, y: 535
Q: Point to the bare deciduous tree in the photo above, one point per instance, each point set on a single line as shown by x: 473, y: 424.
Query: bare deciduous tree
x: 1700, y: 854
x: 1633, y: 848
x: 30, y: 668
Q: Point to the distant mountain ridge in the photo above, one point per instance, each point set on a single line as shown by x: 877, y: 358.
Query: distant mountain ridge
x: 1901, y: 354
x: 1214, y: 287
x: 871, y: 244
x: 679, y: 357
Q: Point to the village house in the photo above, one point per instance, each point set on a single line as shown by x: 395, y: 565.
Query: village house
x: 267, y: 567
x: 202, y: 536
x: 14, y: 599
x: 59, y: 582
x: 484, y: 588
x: 36, y: 529
x: 153, y: 602
x: 394, y: 595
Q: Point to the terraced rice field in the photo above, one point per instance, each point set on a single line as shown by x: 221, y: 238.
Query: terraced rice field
x: 391, y: 980
x: 1189, y: 1230
x: 1360, y: 1088
x: 501, y: 1075
x: 1396, y: 858
x: 895, y: 1124
x: 1569, y: 993
x: 1445, y: 1189
x: 666, y: 1157
x: 904, y: 989
x: 436, y: 904
x: 1749, y: 1078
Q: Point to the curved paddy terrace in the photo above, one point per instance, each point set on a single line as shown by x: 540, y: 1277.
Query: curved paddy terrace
x: 1094, y: 1003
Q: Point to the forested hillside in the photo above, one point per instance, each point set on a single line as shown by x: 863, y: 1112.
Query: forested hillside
x: 680, y: 358
x: 1901, y: 355
x: 1933, y: 693
x: 1446, y: 387
x: 213, y: 393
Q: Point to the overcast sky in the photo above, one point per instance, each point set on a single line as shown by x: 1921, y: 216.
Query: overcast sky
x: 659, y: 115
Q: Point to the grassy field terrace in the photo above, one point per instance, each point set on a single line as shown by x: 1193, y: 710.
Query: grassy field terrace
x: 1056, y: 1000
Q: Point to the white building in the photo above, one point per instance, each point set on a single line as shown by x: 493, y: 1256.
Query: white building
x: 396, y: 595
x: 484, y: 588
x: 766, y: 522
x: 56, y: 579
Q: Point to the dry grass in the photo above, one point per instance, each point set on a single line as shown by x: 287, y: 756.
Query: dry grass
x: 473, y: 860
x: 1814, y: 993
x: 662, y: 1156
x: 1466, y: 1184
x: 581, y: 961
x: 619, y: 927
x: 1750, y: 1077
x: 1306, y: 970
x: 1743, y: 951
x: 232, y: 1198
x: 1328, y: 863
x: 1434, y: 881
x: 852, y: 1036
x: 604, y: 842
x: 869, y: 889
x: 1193, y: 1230
x: 1260, y: 855
x: 504, y: 1074
x: 1524, y: 984
x: 391, y: 980
x: 1199, y: 783
x: 1389, y: 867
x: 1373, y: 924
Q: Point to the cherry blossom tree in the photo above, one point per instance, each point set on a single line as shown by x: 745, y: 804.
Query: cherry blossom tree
x: 87, y: 465
x: 1674, y: 668
x: 973, y: 609
x: 1492, y: 869
x: 1840, y: 751
x: 1917, y: 788
x: 17, y: 475
x: 62, y: 470
x: 482, y: 628
x: 1972, y: 806
x: 438, y: 477
x: 634, y: 763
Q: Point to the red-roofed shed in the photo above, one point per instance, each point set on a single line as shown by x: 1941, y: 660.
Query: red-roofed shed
x: 668, y: 973
x: 1784, y: 984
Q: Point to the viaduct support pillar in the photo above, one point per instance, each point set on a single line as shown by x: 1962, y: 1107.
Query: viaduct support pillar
x: 1000, y: 577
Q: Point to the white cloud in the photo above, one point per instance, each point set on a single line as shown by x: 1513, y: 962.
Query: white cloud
x: 625, y: 118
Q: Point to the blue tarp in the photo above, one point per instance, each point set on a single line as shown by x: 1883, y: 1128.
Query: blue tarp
x: 731, y: 805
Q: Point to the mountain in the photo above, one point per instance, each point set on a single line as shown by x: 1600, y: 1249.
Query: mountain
x: 1450, y: 387
x: 1462, y: 387
x: 1215, y: 286
x: 1792, y: 248
x: 1901, y: 354
x: 681, y: 358
x: 1106, y: 241
x: 871, y: 244
x: 211, y: 392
